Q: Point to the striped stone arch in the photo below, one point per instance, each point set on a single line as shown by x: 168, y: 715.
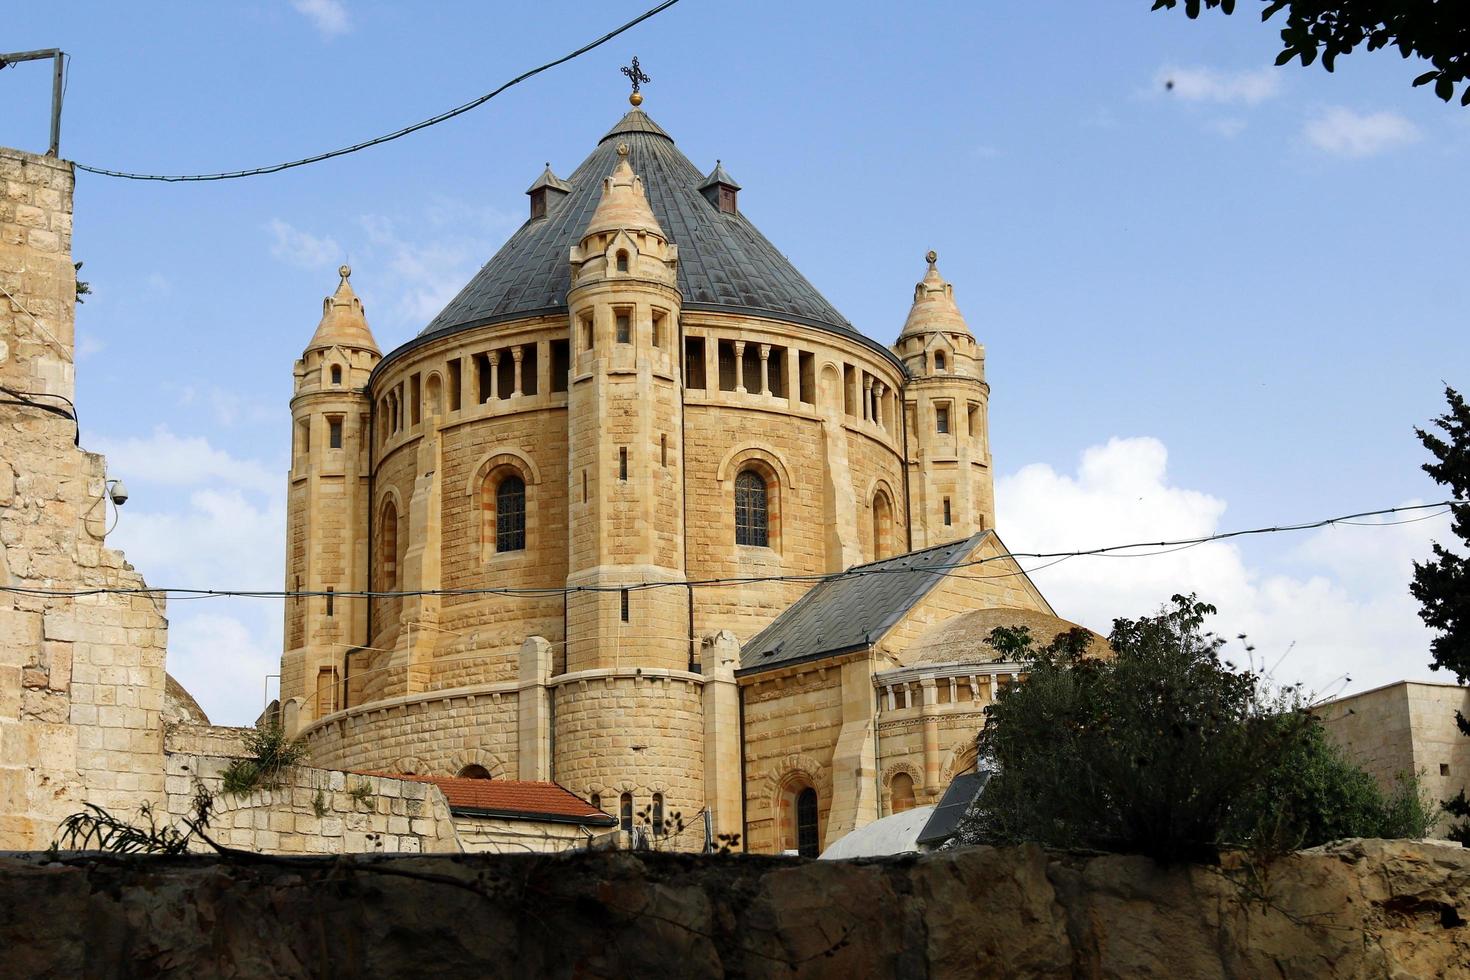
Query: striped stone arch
x: 893, y: 769
x: 963, y: 757
x: 412, y: 765
x: 798, y: 767
x: 475, y: 757
x: 497, y: 457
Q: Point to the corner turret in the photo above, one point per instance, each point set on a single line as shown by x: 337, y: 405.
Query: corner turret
x: 946, y: 406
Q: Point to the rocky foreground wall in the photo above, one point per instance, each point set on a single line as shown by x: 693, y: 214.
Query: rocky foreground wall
x: 1356, y: 909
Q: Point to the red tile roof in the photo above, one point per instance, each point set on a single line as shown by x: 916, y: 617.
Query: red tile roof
x: 513, y: 799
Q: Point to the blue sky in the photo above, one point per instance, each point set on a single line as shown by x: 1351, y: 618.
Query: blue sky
x: 1217, y: 306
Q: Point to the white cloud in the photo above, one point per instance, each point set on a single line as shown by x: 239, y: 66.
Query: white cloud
x: 1344, y: 132
x: 426, y: 275
x: 185, y: 461
x: 328, y: 16
x: 202, y: 518
x: 300, y: 248
x: 88, y: 344
x: 1228, y: 128
x: 1335, y: 604
x: 1208, y: 85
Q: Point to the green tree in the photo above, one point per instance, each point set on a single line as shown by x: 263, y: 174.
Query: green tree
x: 1435, y: 30
x: 1166, y: 749
x: 1442, y: 584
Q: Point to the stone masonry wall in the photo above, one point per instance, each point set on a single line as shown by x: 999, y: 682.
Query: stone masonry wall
x: 1354, y: 911
x: 81, y: 679
x: 316, y: 812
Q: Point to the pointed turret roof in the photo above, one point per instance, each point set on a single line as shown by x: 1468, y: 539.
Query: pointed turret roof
x: 549, y: 179
x: 719, y: 175
x: 725, y: 263
x: 344, y: 320
x: 623, y: 205
x: 934, y: 309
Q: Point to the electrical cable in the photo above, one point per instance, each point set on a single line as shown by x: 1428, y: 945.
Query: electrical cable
x: 396, y: 134
x: 944, y: 569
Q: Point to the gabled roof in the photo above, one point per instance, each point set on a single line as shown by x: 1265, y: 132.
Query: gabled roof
x: 853, y: 610
x: 725, y: 263
x: 513, y: 800
x: 719, y: 176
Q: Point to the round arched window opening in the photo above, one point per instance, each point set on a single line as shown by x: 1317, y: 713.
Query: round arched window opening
x: 474, y: 771
x: 939, y: 360
x: 901, y: 793
x: 622, y: 261
x: 752, y: 510
x: 807, y: 844
x: 510, y: 514
x: 336, y: 374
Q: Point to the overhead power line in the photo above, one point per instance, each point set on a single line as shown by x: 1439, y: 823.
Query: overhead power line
x: 396, y: 134
x: 946, y: 568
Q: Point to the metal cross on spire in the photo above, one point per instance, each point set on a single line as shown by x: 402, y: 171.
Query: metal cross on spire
x: 636, y: 76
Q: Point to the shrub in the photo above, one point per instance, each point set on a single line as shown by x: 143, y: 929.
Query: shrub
x: 1167, y: 750
x: 271, y: 756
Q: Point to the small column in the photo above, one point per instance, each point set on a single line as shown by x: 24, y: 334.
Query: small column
x: 494, y: 375
x: 931, y: 734
x: 954, y: 689
x: 867, y: 397
x: 518, y: 354
x: 888, y: 690
x: 765, y: 369
x: 878, y: 402
x: 739, y: 367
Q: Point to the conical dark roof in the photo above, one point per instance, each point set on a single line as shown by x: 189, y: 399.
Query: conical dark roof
x: 725, y: 264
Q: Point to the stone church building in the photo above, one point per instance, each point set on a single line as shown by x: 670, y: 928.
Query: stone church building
x: 639, y: 512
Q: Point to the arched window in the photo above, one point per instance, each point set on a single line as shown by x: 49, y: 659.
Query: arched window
x: 336, y: 374
x: 882, y: 525
x: 901, y: 793
x: 752, y: 518
x: 939, y: 360
x: 388, y: 556
x: 596, y: 800
x: 510, y: 514
x: 658, y: 814
x: 622, y: 261
x: 474, y: 771
x: 625, y: 813
x: 806, y: 823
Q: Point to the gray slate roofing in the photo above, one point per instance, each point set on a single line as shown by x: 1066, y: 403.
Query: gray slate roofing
x: 854, y: 610
x: 956, y: 802
x: 725, y: 264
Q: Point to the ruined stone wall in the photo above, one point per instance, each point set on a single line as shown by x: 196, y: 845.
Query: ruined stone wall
x: 315, y: 811
x: 1359, y: 910
x: 81, y: 679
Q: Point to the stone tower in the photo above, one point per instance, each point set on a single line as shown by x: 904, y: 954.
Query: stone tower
x: 327, y: 507
x: 946, y: 406
x: 634, y: 724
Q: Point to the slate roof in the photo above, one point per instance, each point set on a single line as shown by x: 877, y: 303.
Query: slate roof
x: 725, y: 263
x: 513, y: 799
x: 854, y: 610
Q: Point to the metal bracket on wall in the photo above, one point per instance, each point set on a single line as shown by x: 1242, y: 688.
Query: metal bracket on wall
x: 58, y: 60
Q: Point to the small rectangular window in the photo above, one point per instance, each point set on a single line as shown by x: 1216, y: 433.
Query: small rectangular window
x: 625, y: 328
x: 625, y: 605
x: 727, y: 365
x: 334, y: 433
x: 806, y: 363
x: 623, y: 463
x: 482, y: 378
x: 584, y: 486
x: 331, y: 606
x: 303, y: 436
x: 663, y: 450
x: 946, y: 512
x: 849, y: 389
x: 561, y: 365
x: 660, y: 323
x: 972, y: 420
x: 694, y: 363
x: 415, y: 399
x: 453, y: 379
x: 587, y: 333
x: 941, y: 418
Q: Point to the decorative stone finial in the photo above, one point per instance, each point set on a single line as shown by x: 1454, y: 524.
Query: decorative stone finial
x: 636, y: 76
x: 931, y: 258
x: 623, y: 150
x: 345, y: 271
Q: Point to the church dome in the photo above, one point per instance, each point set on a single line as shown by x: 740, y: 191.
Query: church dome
x: 725, y: 263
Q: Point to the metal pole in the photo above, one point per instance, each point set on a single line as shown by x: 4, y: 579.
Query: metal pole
x: 56, y: 72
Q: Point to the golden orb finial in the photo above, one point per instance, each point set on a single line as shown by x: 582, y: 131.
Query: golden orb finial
x: 636, y: 99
